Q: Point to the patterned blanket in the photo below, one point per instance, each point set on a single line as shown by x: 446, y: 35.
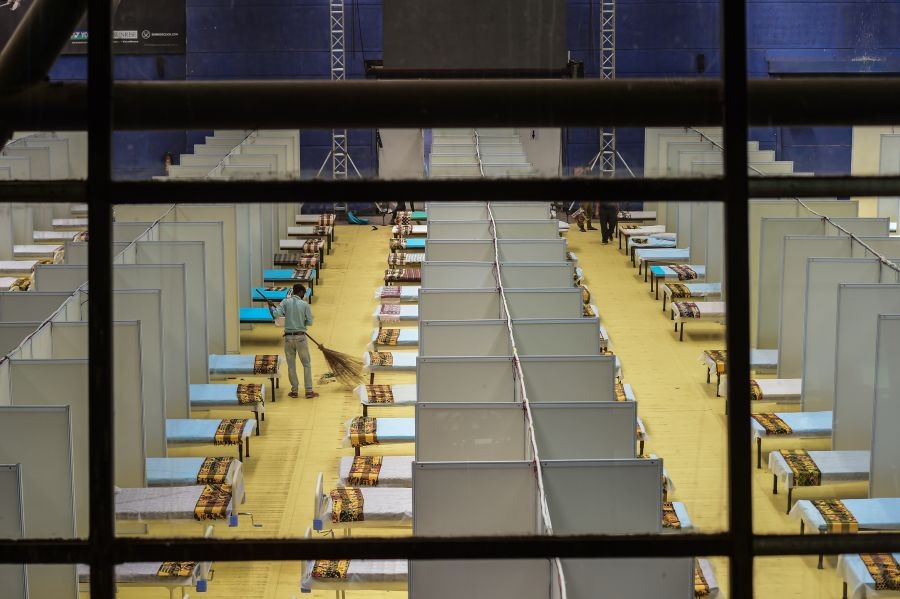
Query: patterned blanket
x: 579, y: 216
x: 389, y: 313
x: 265, y: 364
x: 177, y: 569
x: 403, y: 218
x: 701, y: 587
x: 620, y: 392
x: 587, y: 311
x: 381, y: 358
x: 679, y: 291
x: 21, y: 284
x: 585, y: 294
x: 687, y: 309
x: 402, y: 275
x: 82, y: 236
x: 230, y: 431
x: 398, y: 244
x: 685, y: 273
x: 392, y: 292
x: 640, y: 240
x: 398, y: 259
x: 334, y: 569
x: 303, y: 274
x: 719, y: 358
x: 387, y: 337
x: 804, y: 469
x: 669, y: 517
x: 214, y: 471
x: 347, y: 505
x: 773, y: 424
x: 364, y: 470
x: 248, y: 393
x: 628, y: 227
x: 756, y: 393
x: 305, y: 263
x: 883, y: 569
x: 326, y: 220
x: 213, y: 503
x: 380, y: 394
x: 838, y: 518
x: 288, y: 259
x: 321, y: 230
x: 362, y: 431
x: 403, y: 230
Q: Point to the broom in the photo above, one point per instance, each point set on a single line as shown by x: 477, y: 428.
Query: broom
x: 346, y: 368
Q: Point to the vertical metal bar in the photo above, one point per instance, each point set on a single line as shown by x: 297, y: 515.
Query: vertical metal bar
x: 100, y: 385
x: 740, y: 503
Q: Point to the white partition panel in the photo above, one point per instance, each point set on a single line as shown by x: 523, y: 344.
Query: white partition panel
x: 831, y: 208
x: 456, y: 210
x: 771, y: 261
x: 534, y: 337
x: 884, y: 469
x: 629, y: 491
x: 820, y: 323
x: 464, y: 379
x: 16, y: 306
x: 221, y: 305
x: 585, y: 430
x: 530, y: 275
x: 474, y: 498
x: 75, y: 253
x: 470, y: 432
x: 587, y: 378
x: 463, y: 229
x: 519, y: 210
x: 459, y: 275
x: 147, y: 213
x: 561, y: 302
x: 715, y: 244
x: 699, y: 232
x: 511, y: 250
x: 659, y: 578
x: 12, y: 526
x: 864, y: 227
x: 58, y: 277
x: 191, y: 254
x: 760, y: 209
x: 13, y: 333
x: 485, y: 579
x: 128, y: 231
x: 170, y: 279
x: 39, y: 439
x: 459, y: 250
x: 854, y: 375
x: 797, y: 251
x: 527, y: 229
x: 889, y: 246
x: 459, y: 304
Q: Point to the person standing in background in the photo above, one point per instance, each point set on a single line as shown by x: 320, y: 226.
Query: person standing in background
x: 584, y: 216
x: 609, y: 217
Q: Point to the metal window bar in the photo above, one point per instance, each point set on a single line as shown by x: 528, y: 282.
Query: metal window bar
x: 74, y: 106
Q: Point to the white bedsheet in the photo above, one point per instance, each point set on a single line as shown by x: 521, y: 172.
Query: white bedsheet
x: 408, y: 293
x: 396, y: 471
x: 708, y: 311
x: 6, y: 282
x: 382, y: 507
x: 407, y: 337
x: 416, y: 230
x: 159, y: 503
x: 835, y: 466
x: 40, y: 250
x: 668, y: 254
x: 773, y: 390
x: 860, y: 584
x: 408, y: 313
x: 410, y: 257
x: 872, y: 514
x: 402, y: 361
x: 368, y: 575
x: 644, y: 230
x: 404, y: 395
x: 698, y: 289
x: 803, y: 424
x: 17, y: 267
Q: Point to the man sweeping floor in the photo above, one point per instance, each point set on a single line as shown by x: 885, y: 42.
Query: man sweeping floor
x: 297, y: 316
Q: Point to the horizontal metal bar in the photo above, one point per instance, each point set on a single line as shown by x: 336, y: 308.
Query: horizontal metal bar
x: 820, y: 187
x: 153, y: 105
x: 836, y: 544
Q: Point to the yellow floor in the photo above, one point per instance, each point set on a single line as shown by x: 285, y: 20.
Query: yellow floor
x: 685, y: 420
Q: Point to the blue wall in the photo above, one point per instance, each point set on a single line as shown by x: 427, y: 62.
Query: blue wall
x: 278, y: 39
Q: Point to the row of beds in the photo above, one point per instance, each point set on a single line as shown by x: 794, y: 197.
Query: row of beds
x: 653, y: 252
x: 385, y: 482
x: 47, y: 248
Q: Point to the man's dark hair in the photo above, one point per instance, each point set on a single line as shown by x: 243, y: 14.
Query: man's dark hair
x: 299, y: 290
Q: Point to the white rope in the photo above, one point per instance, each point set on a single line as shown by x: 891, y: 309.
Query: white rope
x: 526, y: 406
x: 480, y: 163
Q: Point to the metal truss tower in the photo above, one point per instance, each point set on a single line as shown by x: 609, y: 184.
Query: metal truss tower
x: 339, y: 150
x: 607, y: 155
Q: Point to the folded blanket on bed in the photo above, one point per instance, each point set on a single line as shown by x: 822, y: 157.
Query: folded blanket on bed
x: 405, y: 275
x: 307, y: 262
x: 773, y: 424
x: 320, y: 230
x: 585, y: 294
x: 248, y: 393
x: 719, y: 357
x: 626, y: 227
x: 387, y: 337
x: 381, y: 358
x: 620, y: 392
x: 230, y: 431
x: 364, y: 470
x: 213, y: 503
x: 294, y: 258
x: 81, y: 236
x: 838, y: 518
x: 403, y: 230
x: 21, y: 284
x: 398, y: 259
x: 214, y: 471
x: 326, y: 220
x: 265, y: 364
x: 389, y: 313
x: 390, y: 292
x: 334, y: 569
x: 362, y: 431
x: 403, y: 218
x: 347, y: 505
x: 884, y: 570
x: 701, y: 587
x: 806, y: 472
x: 303, y: 274
x: 587, y: 311
x: 685, y: 273
x: 756, y: 393
x: 669, y: 517
x: 678, y: 291
x: 640, y: 240
x: 379, y: 394
x: 177, y: 569
x: 687, y: 309
x: 398, y: 244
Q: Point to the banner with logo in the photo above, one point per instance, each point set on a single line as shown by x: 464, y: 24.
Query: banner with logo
x: 139, y: 26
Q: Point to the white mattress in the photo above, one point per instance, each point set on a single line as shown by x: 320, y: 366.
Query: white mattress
x: 803, y: 424
x: 408, y: 313
x: 6, y: 282
x: 159, y: 503
x: 698, y: 289
x: 402, y: 361
x: 382, y: 508
x: 39, y: 250
x: 205, y: 396
x: 641, y: 430
x: 408, y: 293
x: 637, y: 214
x: 835, y: 466
x: 69, y: 222
x: 49, y: 236
x: 367, y: 575
x: 233, y: 364
x: 17, y: 267
x: 708, y: 311
x: 872, y: 514
x: 404, y: 395
x: 407, y: 337
x: 388, y: 430
x: 396, y: 471
x: 668, y: 273
x: 416, y: 230
x: 860, y: 584
x: 773, y: 390
x: 668, y: 254
x: 642, y: 231
x: 410, y: 257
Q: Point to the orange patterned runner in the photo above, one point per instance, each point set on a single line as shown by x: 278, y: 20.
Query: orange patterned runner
x: 248, y: 393
x: 756, y: 393
x: 214, y: 471
x: 334, y: 569
x: 803, y: 467
x: 620, y: 392
x: 685, y: 273
x: 773, y: 424
x: 679, y: 291
x: 719, y: 357
x: 883, y: 569
x: 387, y: 337
x: 213, y: 503
x: 701, y: 587
x: 364, y: 470
x: 687, y: 309
x: 177, y: 569
x: 381, y: 358
x: 838, y: 518
x: 347, y: 505
x: 362, y: 431
x: 379, y: 394
x: 669, y: 517
x: 265, y: 364
x: 229, y: 431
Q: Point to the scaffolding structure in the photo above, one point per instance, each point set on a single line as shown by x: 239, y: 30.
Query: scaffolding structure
x: 606, y: 157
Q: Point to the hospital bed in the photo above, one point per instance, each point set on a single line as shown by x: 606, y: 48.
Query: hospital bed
x: 705, y: 583
x: 72, y: 224
x: 223, y: 396
x: 183, y: 472
x: 393, y: 338
x: 407, y: 217
x: 637, y: 215
x: 296, y: 261
x: 394, y: 313
x: 15, y: 283
x: 388, y: 362
x: 320, y: 220
x: 299, y: 248
x: 789, y: 425
x: 255, y: 316
x: 396, y: 294
x: 136, y: 507
x: 289, y: 276
x: 626, y: 230
x: 382, y: 508
x: 689, y: 291
x: 53, y: 236
x: 828, y: 467
x: 385, y: 396
x: 858, y: 581
x: 675, y: 518
x: 661, y: 241
x: 17, y: 267
x: 675, y: 272
x: 193, y: 432
x: 314, y: 231
x: 761, y: 360
x: 403, y: 276
x: 362, y: 431
x: 40, y: 251
x: 683, y: 312
x: 391, y: 471
x: 275, y: 294
x: 782, y: 391
x: 247, y: 365
x: 646, y: 257
x: 341, y: 576
x: 401, y: 259
x: 873, y: 514
x: 298, y: 245
x: 405, y: 244
x: 401, y: 231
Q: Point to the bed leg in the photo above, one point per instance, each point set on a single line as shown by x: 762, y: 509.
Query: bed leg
x: 844, y: 595
x: 371, y: 378
x: 657, y: 289
x: 707, y: 376
x: 775, y: 484
x: 681, y: 333
x: 664, y: 302
x: 256, y: 416
x: 641, y: 447
x: 802, y: 527
x: 240, y: 450
x: 676, y: 325
x: 790, y: 493
x: 365, y: 410
x: 646, y: 270
x: 356, y: 451
x: 718, y: 384
x: 759, y: 453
